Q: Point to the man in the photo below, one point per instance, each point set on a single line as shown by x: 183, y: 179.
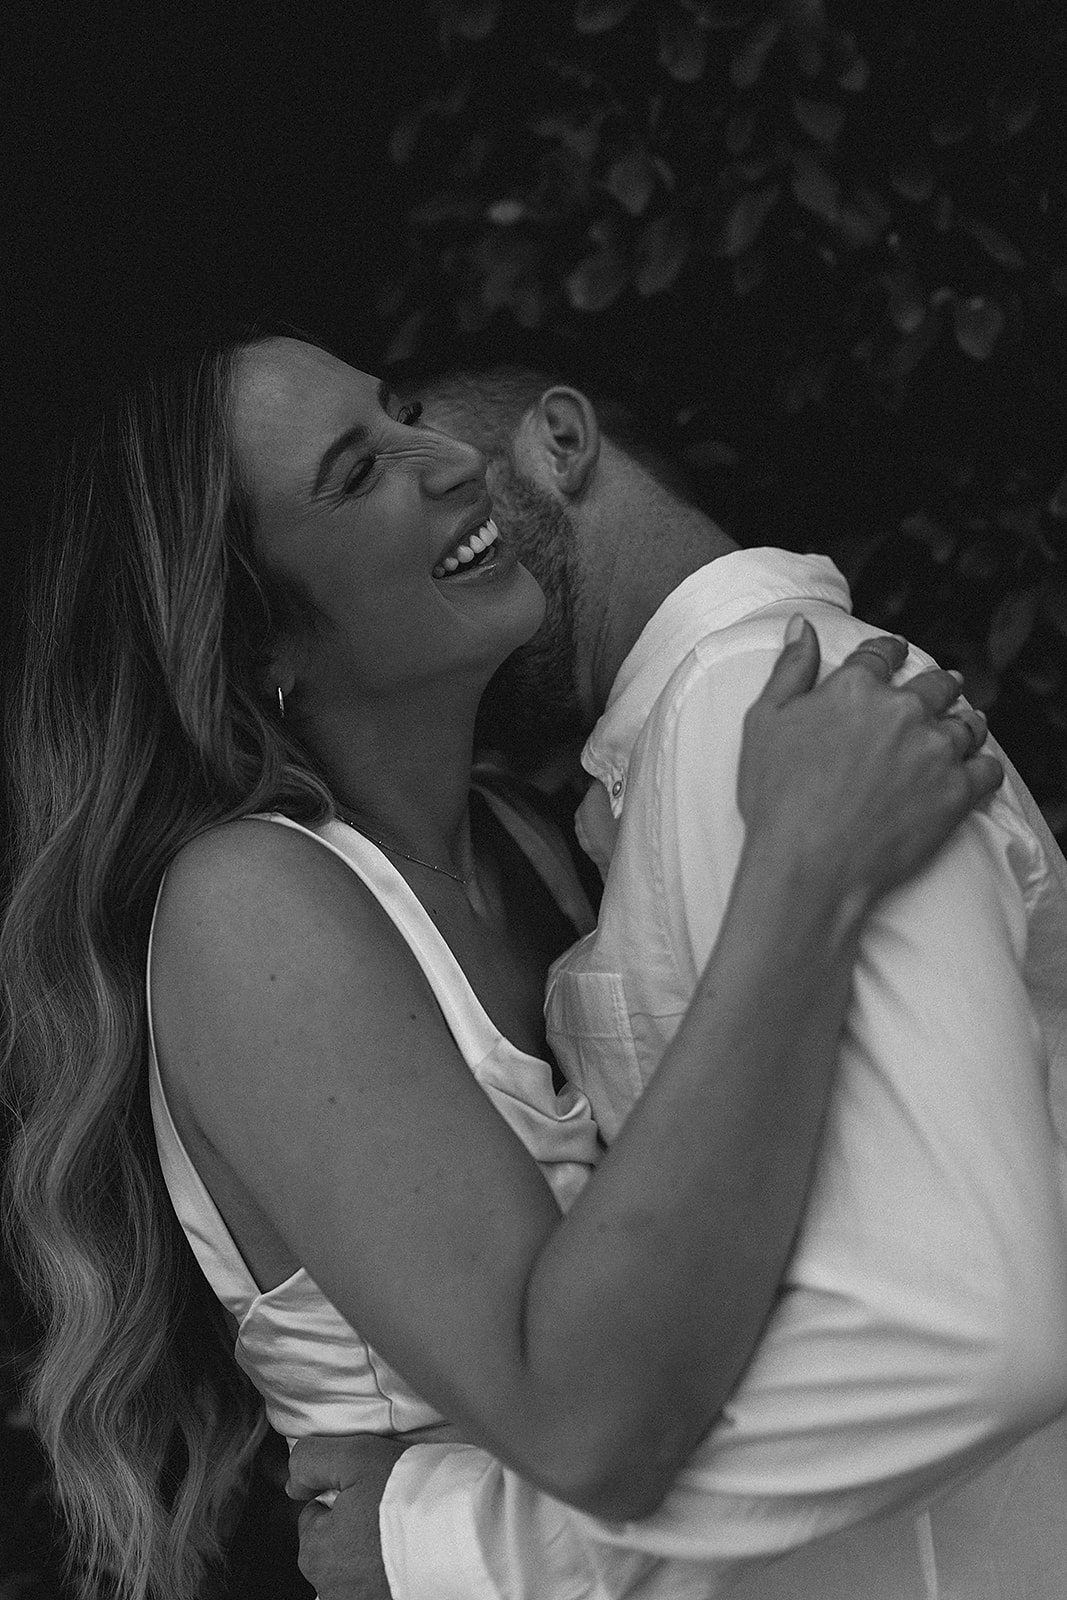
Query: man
x: 863, y: 1397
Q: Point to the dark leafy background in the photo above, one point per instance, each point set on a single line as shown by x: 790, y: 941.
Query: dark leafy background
x: 821, y: 247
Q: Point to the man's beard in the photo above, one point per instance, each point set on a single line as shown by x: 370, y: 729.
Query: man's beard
x: 530, y: 707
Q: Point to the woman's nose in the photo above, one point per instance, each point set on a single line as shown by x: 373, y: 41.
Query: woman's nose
x: 454, y: 464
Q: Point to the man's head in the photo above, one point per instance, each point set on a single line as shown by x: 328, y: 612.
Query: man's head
x: 582, y: 496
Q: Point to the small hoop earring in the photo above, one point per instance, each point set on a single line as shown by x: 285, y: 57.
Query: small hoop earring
x: 281, y: 703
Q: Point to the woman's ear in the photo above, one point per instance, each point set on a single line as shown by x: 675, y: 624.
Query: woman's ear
x: 279, y: 673
x: 567, y: 436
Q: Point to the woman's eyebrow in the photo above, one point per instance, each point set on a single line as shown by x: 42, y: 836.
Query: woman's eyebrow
x: 351, y: 437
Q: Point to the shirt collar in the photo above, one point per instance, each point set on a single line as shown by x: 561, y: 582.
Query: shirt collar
x: 729, y: 588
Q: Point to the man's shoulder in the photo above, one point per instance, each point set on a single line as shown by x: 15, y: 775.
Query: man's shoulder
x: 727, y: 664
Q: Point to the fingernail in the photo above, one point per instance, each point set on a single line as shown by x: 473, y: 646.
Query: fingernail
x: 794, y: 628
x: 957, y: 675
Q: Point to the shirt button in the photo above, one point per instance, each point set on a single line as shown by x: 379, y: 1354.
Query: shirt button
x: 616, y: 789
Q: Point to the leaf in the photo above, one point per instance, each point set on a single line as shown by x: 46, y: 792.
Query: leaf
x: 661, y: 252
x: 1009, y: 115
x: 979, y: 323
x: 582, y: 138
x: 405, y: 135
x: 1012, y: 625
x: 1004, y: 253
x: 598, y: 16
x: 632, y: 180
x: 510, y: 279
x: 855, y: 76
x: 905, y: 307
x: 981, y: 686
x: 597, y: 281
x: 1023, y: 522
x: 457, y: 97
x: 473, y: 20
x: 816, y: 191
x: 909, y: 352
x: 862, y: 224
x: 915, y: 183
x: 822, y: 119
x: 683, y: 47
x: 405, y: 340
x: 505, y: 213
x: 937, y: 539
x: 749, y: 61
x: 744, y: 221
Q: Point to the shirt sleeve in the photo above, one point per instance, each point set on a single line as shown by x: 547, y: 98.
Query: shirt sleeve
x: 456, y: 1525
x: 920, y: 1327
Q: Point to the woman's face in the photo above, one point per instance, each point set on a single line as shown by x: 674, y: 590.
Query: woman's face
x: 364, y: 511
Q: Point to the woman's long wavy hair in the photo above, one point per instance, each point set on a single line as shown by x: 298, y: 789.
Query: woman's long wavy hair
x: 139, y: 716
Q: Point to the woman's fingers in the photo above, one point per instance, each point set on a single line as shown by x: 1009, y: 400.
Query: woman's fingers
x: 879, y: 774
x: 936, y: 689
x: 882, y: 655
x: 966, y: 730
x: 797, y: 666
x: 984, y: 774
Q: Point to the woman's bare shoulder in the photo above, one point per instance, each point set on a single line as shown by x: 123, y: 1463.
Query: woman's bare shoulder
x: 252, y: 883
x: 250, y: 859
x: 231, y: 850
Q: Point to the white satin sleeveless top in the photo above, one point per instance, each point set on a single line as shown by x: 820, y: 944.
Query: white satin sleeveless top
x: 314, y: 1371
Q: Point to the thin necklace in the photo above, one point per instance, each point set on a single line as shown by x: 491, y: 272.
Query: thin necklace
x: 383, y: 844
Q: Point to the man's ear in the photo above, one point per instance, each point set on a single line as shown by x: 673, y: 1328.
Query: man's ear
x: 567, y: 437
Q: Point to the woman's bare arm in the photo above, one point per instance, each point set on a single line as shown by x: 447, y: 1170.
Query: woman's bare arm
x: 588, y: 1352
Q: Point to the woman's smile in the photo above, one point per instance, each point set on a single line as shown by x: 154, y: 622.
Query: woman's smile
x: 394, y: 503
x: 470, y: 550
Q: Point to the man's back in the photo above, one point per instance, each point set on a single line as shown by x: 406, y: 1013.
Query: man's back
x: 873, y: 1383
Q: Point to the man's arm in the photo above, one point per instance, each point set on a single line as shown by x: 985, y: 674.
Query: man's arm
x: 340, y: 1547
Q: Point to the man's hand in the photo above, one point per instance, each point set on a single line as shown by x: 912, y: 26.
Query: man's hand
x: 340, y: 1548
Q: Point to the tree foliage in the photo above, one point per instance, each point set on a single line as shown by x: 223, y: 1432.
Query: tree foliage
x: 827, y: 244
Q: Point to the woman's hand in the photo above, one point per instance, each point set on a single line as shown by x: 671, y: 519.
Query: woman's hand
x: 865, y: 778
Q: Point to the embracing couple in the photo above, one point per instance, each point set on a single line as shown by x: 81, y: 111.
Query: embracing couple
x: 741, y: 1263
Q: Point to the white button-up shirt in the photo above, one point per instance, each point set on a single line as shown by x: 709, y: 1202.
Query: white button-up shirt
x: 921, y: 1329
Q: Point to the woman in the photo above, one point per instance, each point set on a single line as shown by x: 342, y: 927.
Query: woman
x: 243, y: 738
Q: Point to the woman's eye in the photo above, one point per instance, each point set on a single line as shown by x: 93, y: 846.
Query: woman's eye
x: 408, y: 415
x: 360, y: 475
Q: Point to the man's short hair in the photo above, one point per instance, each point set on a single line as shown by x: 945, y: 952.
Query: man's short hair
x: 490, y: 402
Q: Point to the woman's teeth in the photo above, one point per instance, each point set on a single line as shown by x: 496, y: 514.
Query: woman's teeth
x: 472, y: 546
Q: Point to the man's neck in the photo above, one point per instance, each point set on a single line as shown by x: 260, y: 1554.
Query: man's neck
x: 646, y: 566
